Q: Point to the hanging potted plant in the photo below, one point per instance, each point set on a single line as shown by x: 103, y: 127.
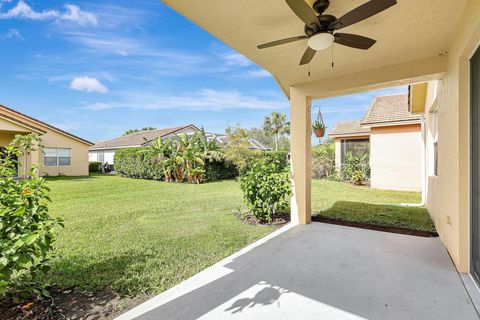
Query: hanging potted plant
x: 319, y: 126
x: 318, y: 129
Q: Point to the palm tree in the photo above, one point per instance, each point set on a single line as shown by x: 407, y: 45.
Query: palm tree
x: 276, y: 124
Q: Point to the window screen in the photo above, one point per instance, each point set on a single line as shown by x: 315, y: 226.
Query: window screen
x: 355, y: 146
x: 54, y: 157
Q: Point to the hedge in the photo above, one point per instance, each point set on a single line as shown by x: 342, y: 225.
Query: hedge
x: 135, y: 163
x: 94, y: 166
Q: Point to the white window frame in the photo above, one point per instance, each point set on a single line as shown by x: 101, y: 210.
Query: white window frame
x: 57, y: 157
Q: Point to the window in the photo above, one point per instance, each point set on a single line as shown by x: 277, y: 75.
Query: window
x: 56, y: 157
x: 101, y: 156
x: 356, y: 147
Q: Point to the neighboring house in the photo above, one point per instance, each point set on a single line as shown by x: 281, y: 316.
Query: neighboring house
x: 222, y: 139
x: 392, y: 135
x: 104, y: 151
x: 61, y: 153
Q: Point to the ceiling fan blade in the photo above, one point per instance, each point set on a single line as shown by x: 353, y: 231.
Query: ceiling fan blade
x: 304, y: 12
x: 354, y: 41
x: 279, y: 42
x: 307, y: 56
x: 362, y: 12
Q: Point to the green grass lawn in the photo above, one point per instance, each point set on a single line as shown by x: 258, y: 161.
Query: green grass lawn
x: 138, y: 236
x: 361, y: 204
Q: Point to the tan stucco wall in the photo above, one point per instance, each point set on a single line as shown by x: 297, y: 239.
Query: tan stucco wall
x: 396, y: 158
x: 338, y: 154
x: 50, y: 139
x: 79, y: 155
x: 448, y: 193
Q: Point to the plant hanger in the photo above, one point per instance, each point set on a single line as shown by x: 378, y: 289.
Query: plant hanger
x: 319, y: 125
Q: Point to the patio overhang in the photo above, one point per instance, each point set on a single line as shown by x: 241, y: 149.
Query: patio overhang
x: 413, y: 38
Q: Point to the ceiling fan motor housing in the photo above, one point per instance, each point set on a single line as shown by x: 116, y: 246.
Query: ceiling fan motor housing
x: 320, y: 6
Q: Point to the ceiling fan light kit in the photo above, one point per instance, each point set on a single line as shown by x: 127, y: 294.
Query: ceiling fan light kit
x: 321, y: 29
x: 321, y: 41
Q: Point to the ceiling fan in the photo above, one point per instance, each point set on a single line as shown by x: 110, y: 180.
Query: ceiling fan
x: 321, y: 29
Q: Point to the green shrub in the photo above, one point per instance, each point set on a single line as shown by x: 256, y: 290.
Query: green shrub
x: 353, y: 164
x: 94, y: 167
x: 281, y: 157
x: 220, y: 170
x: 137, y: 163
x: 266, y: 187
x: 27, y: 231
x: 323, y: 161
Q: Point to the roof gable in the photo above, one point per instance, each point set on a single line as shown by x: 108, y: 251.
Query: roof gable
x: 34, y: 124
x: 137, y: 139
x: 389, y: 109
x: 349, y: 128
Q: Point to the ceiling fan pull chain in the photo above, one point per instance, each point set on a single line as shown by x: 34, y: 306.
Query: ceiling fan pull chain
x: 309, y: 69
x: 333, y: 63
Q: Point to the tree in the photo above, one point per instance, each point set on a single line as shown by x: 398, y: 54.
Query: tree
x: 130, y: 131
x: 26, y: 144
x: 237, y: 150
x: 276, y: 125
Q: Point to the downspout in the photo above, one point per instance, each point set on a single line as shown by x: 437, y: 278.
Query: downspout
x: 424, y: 167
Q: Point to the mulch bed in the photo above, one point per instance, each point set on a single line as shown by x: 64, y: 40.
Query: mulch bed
x: 362, y: 225
x: 280, y: 219
x: 70, y: 304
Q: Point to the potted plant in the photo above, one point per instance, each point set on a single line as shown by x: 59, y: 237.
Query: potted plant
x: 318, y: 128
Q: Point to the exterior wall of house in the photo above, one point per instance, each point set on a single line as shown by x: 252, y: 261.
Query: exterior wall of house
x: 396, y: 157
x: 51, y: 139
x: 448, y: 195
x: 338, y: 154
x: 108, y: 155
x: 78, y: 157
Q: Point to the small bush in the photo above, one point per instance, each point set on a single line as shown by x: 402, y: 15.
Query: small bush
x: 94, y: 167
x: 323, y: 161
x: 353, y: 164
x: 266, y: 187
x: 27, y: 231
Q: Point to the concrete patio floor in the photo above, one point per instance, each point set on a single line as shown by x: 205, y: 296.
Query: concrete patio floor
x: 322, y: 271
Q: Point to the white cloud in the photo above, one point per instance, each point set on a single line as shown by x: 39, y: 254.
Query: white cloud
x: 72, y: 13
x: 206, y: 99
x: 235, y: 59
x: 88, y: 84
x: 261, y: 73
x: 12, y: 34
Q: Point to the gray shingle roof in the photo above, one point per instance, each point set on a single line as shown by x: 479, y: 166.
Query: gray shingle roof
x: 392, y: 108
x: 348, y: 128
x: 139, y: 138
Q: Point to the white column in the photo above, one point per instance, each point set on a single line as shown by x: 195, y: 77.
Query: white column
x: 300, y: 148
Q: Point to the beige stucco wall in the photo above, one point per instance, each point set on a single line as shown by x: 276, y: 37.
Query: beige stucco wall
x: 79, y: 155
x: 396, y: 158
x: 338, y: 154
x: 51, y: 139
x: 448, y: 193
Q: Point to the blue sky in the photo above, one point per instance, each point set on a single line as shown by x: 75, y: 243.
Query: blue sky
x: 98, y: 68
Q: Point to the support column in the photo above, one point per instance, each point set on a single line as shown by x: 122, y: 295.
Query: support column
x: 301, y: 160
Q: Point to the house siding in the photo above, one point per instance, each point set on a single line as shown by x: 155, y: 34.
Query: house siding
x: 396, y: 158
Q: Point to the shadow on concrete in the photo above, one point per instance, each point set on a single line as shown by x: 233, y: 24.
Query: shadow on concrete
x: 322, y: 271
